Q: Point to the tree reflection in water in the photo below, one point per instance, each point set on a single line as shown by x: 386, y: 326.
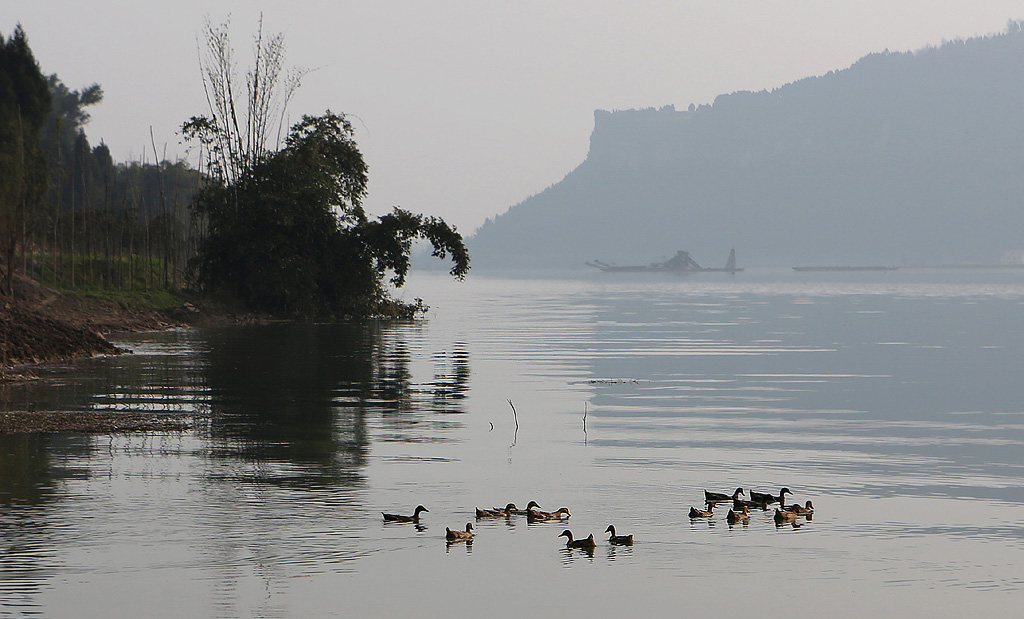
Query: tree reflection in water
x: 290, y: 406
x: 293, y: 399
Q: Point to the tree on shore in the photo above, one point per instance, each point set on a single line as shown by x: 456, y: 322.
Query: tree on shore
x: 78, y: 219
x: 285, y: 230
x: 24, y: 105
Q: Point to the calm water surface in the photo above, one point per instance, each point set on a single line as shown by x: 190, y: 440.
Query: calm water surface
x: 893, y: 401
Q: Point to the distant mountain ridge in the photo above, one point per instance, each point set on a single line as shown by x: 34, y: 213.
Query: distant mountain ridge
x: 902, y: 158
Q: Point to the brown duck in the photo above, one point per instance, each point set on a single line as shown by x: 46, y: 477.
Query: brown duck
x: 784, y: 517
x: 453, y: 536
x: 400, y: 518
x: 621, y: 540
x: 535, y: 515
x: 736, y: 517
x: 804, y: 510
x: 586, y: 544
x: 701, y: 513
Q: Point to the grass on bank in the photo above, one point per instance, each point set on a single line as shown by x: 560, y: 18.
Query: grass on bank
x: 133, y: 282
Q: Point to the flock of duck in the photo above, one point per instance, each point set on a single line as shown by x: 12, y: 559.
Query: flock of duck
x: 532, y: 512
x: 739, y: 514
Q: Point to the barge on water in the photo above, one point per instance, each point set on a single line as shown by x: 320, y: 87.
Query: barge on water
x: 680, y: 263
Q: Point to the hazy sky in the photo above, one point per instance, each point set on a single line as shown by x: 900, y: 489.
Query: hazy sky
x: 466, y: 107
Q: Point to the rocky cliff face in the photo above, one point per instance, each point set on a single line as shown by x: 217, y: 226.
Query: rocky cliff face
x: 902, y: 158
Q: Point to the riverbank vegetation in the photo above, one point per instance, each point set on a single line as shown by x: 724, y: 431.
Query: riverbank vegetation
x: 267, y: 225
x: 284, y: 230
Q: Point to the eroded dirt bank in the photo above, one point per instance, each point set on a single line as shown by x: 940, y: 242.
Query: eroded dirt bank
x: 40, y: 325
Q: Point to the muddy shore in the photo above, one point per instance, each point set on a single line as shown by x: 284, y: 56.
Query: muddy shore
x: 92, y: 423
x: 39, y: 325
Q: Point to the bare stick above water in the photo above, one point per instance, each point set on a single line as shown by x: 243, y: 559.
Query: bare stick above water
x: 585, y: 423
x: 515, y: 434
x: 514, y: 416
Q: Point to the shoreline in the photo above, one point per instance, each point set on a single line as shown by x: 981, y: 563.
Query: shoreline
x: 41, y: 326
x: 21, y: 422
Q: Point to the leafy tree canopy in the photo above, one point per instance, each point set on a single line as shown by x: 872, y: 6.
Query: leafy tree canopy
x: 285, y: 228
x: 290, y: 236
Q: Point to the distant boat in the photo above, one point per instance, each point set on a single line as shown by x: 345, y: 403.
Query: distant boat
x: 999, y: 265
x: 838, y: 268
x: 680, y: 263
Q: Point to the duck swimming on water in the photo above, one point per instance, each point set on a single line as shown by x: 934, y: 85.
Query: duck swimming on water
x: 784, y: 517
x: 767, y: 499
x: 736, y: 517
x: 804, y: 510
x: 702, y: 513
x: 535, y: 515
x: 454, y: 536
x: 719, y: 497
x: 586, y: 544
x: 621, y: 540
x: 400, y: 518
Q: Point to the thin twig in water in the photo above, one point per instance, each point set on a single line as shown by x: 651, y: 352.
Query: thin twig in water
x: 515, y: 434
x: 584, y: 423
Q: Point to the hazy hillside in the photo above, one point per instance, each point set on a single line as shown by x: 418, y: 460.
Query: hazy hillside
x: 902, y: 158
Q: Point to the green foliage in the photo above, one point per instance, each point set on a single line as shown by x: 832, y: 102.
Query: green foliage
x: 290, y: 237
x: 24, y: 105
x: 115, y: 277
x: 99, y: 224
x: 118, y: 213
x: 23, y: 90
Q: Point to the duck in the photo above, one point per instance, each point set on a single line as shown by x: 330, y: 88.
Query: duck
x: 784, y: 517
x: 535, y: 515
x: 524, y: 512
x: 496, y: 512
x: 700, y: 513
x: 735, y: 517
x: 766, y: 499
x: 760, y: 497
x: 782, y: 495
x: 453, y: 536
x: 715, y: 497
x: 587, y: 544
x: 805, y: 510
x: 621, y: 540
x: 400, y: 518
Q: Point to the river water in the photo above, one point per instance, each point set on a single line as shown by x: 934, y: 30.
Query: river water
x: 891, y: 400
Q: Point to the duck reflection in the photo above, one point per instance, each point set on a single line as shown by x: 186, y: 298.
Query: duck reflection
x: 465, y: 543
x: 570, y: 555
x: 615, y: 551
